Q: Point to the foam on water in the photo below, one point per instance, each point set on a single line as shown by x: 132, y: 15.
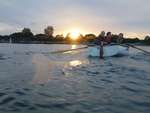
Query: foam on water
x: 33, y: 80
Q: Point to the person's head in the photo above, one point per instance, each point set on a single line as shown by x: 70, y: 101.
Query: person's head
x: 120, y: 35
x: 102, y: 34
x: 108, y: 34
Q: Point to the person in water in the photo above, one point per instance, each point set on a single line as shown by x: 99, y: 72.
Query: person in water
x: 104, y: 41
x: 120, y: 38
x: 101, y: 38
x: 108, y: 38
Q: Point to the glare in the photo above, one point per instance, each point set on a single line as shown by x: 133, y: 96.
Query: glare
x: 75, y: 35
x: 73, y: 46
x: 75, y: 63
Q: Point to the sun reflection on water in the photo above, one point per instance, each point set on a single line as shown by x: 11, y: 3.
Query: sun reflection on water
x: 75, y: 63
x: 73, y: 46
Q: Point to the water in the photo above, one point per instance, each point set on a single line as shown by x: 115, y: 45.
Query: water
x: 32, y: 80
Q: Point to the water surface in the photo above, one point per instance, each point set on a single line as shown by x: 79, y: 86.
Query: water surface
x: 35, y: 81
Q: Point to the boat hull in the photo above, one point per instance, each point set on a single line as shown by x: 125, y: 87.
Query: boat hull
x: 108, y: 51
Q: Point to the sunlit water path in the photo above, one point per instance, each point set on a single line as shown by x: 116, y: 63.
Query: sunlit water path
x: 35, y: 81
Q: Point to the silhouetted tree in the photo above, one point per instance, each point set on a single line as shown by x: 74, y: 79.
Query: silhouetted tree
x: 49, y: 31
x: 131, y: 40
x: 59, y: 38
x: 41, y: 37
x: 16, y: 37
x: 90, y: 37
x: 25, y: 36
x: 68, y: 38
x: 4, y: 38
x: 147, y: 40
x: 114, y: 38
x: 26, y: 30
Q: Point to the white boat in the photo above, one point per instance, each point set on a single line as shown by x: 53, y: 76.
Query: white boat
x: 108, y: 51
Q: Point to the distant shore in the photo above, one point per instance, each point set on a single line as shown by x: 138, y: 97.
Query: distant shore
x: 48, y: 42
x: 27, y: 37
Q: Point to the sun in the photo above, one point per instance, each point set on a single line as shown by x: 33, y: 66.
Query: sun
x: 74, y: 35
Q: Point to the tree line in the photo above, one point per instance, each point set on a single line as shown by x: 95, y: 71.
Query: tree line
x: 26, y: 36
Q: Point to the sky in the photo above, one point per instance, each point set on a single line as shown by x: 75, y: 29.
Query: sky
x: 132, y: 17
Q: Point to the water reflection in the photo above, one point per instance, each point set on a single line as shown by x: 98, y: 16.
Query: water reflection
x: 73, y: 46
x: 86, y: 84
x: 70, y: 67
x: 42, y: 69
x: 75, y: 63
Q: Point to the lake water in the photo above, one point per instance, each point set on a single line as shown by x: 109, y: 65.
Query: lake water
x: 32, y: 80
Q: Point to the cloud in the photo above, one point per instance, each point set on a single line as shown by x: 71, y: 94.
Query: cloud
x: 4, y: 26
x: 6, y: 29
x: 91, y: 15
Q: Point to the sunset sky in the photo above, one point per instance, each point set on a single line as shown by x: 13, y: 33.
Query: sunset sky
x: 131, y: 17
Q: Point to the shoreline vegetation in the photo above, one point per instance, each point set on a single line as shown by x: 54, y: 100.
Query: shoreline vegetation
x: 27, y: 37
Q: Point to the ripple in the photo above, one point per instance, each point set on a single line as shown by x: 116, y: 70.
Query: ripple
x: 21, y: 104
x: 20, y: 93
x: 7, y: 100
x: 106, y: 80
x: 2, y: 57
x: 2, y: 94
x: 45, y: 95
x: 85, y: 85
x: 141, y: 104
x: 13, y: 109
x: 133, y: 82
x: 27, y: 89
x: 92, y: 72
x: 54, y: 105
x: 97, y: 87
x: 32, y: 108
x: 129, y: 89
